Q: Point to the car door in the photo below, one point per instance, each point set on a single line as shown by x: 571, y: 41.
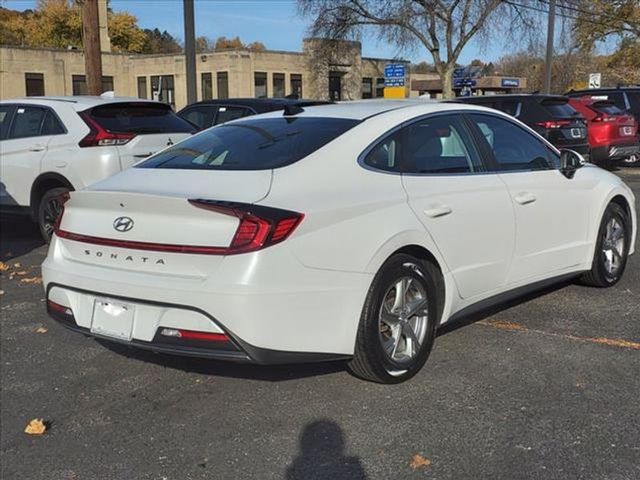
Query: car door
x: 22, y: 152
x: 551, y: 212
x: 466, y: 210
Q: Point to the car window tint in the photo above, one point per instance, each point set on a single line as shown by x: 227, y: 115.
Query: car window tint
x: 51, y: 124
x: 5, y: 120
x: 440, y: 144
x: 139, y: 117
x: 27, y: 122
x: 511, y: 107
x: 634, y: 100
x: 513, y: 147
x: 201, y: 116
x: 607, y: 108
x: 226, y: 114
x: 385, y: 155
x: 559, y: 109
x: 618, y: 99
x: 251, y: 144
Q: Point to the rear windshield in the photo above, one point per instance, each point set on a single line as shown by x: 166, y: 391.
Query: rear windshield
x: 139, y: 117
x: 252, y: 144
x: 559, y: 108
x: 606, y: 107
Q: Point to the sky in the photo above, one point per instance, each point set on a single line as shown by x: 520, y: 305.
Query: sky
x: 275, y: 23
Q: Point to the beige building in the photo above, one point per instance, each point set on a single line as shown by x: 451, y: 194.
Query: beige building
x: 339, y: 73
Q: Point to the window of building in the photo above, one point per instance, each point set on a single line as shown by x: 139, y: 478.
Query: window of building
x: 223, y: 85
x: 335, y: 86
x: 367, y: 87
x: 207, y: 86
x: 296, y: 85
x: 278, y: 85
x: 142, y: 87
x: 34, y: 84
x: 379, y: 87
x: 260, y: 84
x: 163, y: 89
x: 79, y: 84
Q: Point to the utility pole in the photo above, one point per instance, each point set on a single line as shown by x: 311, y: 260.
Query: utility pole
x: 549, y: 57
x: 190, y: 50
x: 91, y: 44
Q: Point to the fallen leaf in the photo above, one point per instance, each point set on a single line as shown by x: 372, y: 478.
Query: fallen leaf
x: 32, y: 280
x: 20, y: 273
x: 1, y: 292
x: 17, y: 265
x: 3, y: 267
x: 418, y: 461
x: 35, y: 427
x: 41, y: 330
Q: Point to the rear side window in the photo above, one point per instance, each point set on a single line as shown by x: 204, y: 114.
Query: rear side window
x: 201, y: 116
x: 27, y: 122
x: 51, y: 125
x: 252, y: 144
x: 607, y: 108
x: 559, y: 108
x: 226, y: 114
x: 139, y: 117
x: 634, y: 100
x: 6, y: 112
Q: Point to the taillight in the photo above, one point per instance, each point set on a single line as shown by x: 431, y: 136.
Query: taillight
x: 259, y: 226
x: 551, y: 124
x: 101, y: 137
x: 603, y: 118
x: 62, y: 199
x: 194, y: 335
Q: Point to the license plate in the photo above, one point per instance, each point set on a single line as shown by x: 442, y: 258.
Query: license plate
x: 112, y: 319
x: 576, y: 133
x: 626, y: 131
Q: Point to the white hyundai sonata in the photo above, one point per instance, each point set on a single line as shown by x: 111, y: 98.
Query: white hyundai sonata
x: 349, y: 231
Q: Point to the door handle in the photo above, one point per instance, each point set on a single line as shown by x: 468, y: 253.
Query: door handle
x: 525, y: 198
x: 36, y: 148
x: 438, y: 211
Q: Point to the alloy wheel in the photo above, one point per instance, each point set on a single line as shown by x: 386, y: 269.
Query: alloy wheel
x: 613, y: 246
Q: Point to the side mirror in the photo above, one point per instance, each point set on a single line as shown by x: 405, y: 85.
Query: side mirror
x: 570, y: 161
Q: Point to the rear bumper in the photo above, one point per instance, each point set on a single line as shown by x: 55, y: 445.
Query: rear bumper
x: 272, y: 308
x: 614, y: 152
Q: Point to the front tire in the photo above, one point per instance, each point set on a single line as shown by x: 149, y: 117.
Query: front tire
x: 398, y: 322
x: 612, y: 248
x: 49, y: 209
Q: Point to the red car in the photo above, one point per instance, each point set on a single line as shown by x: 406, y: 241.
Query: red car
x: 612, y: 134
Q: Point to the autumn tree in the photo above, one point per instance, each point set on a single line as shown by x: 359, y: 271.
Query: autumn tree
x: 442, y: 27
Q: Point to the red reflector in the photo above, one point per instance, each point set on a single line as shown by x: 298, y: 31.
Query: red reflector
x: 554, y: 123
x: 206, y: 336
x: 56, y: 307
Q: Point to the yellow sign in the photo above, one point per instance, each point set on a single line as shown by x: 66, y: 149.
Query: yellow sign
x: 395, y: 92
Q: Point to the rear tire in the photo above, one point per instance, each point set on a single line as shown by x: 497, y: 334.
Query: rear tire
x: 398, y: 322
x: 612, y: 249
x: 49, y: 208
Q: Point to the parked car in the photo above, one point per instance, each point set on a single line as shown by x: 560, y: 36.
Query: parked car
x: 626, y: 99
x: 613, y: 134
x: 51, y: 145
x: 549, y: 115
x: 208, y: 113
x: 351, y: 230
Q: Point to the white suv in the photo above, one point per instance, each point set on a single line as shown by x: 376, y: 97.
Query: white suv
x: 50, y: 145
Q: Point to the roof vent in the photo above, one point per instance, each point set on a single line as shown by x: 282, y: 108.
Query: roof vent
x: 290, y: 110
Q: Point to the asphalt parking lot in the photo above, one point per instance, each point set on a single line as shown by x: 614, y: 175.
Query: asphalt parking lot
x: 546, y: 389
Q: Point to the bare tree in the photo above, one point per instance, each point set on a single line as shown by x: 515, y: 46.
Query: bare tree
x: 443, y: 27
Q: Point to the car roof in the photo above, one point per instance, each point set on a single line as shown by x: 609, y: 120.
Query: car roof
x: 77, y: 102
x: 604, y: 90
x: 259, y: 104
x: 364, y: 109
x: 535, y: 96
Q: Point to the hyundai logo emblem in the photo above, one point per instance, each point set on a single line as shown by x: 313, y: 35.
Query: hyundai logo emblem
x: 123, y: 224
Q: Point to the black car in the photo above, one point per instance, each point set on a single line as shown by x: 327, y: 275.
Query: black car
x: 208, y: 113
x: 549, y: 115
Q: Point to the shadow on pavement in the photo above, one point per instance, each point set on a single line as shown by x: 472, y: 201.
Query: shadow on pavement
x: 18, y: 236
x: 485, y: 313
x: 270, y: 373
x: 322, y: 455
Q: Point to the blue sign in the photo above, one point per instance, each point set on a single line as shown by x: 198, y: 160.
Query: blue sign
x: 394, y: 82
x: 459, y: 83
x: 394, y: 70
x: 510, y: 82
x: 459, y: 72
